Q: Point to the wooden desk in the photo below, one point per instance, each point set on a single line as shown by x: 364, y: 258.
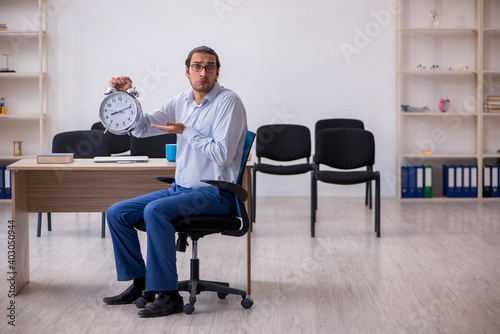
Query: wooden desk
x: 83, y: 186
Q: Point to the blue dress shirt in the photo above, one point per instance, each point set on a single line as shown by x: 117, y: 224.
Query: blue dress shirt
x: 211, y: 145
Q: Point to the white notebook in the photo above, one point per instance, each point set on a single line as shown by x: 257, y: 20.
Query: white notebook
x: 123, y: 158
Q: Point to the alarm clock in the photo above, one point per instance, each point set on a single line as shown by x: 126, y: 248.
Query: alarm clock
x: 444, y: 104
x: 120, y: 112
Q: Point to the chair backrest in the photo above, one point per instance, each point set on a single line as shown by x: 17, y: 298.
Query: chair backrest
x: 83, y: 143
x: 283, y: 142
x: 338, y: 123
x: 119, y: 143
x: 345, y: 148
x: 249, y: 138
x: 153, y: 147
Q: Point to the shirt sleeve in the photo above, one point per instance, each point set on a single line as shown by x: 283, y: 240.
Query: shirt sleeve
x: 159, y: 116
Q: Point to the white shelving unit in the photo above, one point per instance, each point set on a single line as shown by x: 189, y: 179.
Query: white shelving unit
x: 467, y: 41
x: 25, y: 90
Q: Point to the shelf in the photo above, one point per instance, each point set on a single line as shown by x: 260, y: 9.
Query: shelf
x: 439, y: 30
x: 21, y: 116
x: 437, y: 114
x: 437, y: 73
x: 22, y: 75
x: 20, y: 33
x: 438, y: 156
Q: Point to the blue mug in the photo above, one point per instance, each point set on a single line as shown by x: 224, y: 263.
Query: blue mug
x: 170, y: 152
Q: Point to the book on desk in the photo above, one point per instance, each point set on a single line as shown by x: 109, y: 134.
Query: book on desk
x: 55, y: 158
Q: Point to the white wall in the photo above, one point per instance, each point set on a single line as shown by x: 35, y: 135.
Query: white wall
x: 292, y: 61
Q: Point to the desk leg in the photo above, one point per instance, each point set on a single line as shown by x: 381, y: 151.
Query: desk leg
x: 21, y: 270
x: 247, y: 184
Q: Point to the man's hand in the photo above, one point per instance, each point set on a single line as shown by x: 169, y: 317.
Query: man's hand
x: 170, y: 127
x: 121, y: 83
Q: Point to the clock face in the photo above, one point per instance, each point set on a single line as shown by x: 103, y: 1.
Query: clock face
x: 119, y: 112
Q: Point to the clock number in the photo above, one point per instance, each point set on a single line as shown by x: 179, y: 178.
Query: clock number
x: 109, y: 105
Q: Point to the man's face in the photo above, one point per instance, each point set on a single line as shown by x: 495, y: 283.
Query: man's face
x: 202, y: 81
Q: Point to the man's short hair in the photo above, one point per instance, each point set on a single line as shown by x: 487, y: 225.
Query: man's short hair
x: 203, y: 49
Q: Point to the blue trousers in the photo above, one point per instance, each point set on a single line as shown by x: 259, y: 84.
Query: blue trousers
x: 158, y: 209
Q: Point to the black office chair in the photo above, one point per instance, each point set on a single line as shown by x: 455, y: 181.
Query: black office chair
x: 281, y: 142
x: 345, y: 149
x: 84, y: 144
x: 153, y: 147
x: 196, y: 227
x: 119, y: 143
x: 331, y: 123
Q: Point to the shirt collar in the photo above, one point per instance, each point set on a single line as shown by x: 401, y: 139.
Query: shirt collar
x: 210, y: 96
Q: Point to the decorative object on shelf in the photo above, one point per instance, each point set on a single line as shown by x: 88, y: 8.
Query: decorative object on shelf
x: 407, y: 108
x: 420, y: 67
x: 444, y: 104
x: 18, y: 148
x: 120, y: 112
x: 458, y: 69
x: 426, y: 152
x: 3, y: 26
x: 2, y: 106
x: 492, y: 104
x: 434, y: 23
x: 6, y: 63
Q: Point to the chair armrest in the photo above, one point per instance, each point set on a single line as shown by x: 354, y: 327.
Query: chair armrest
x: 165, y: 179
x: 231, y: 187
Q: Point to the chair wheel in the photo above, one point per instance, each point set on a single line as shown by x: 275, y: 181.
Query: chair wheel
x: 221, y: 295
x: 141, y: 302
x: 247, y: 302
x: 188, y: 308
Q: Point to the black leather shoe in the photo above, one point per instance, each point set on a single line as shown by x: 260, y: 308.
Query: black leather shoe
x: 162, y: 306
x: 126, y: 297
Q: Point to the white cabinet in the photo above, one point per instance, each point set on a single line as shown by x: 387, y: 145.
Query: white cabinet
x: 25, y: 90
x: 456, y: 58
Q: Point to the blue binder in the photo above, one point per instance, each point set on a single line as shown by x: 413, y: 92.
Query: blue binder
x: 404, y: 182
x: 494, y: 181
x: 466, y: 182
x: 412, y: 182
x: 449, y: 180
x: 6, y: 184
x: 2, y: 171
x: 473, y: 181
x: 459, y: 181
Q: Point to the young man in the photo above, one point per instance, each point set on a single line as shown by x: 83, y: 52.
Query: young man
x: 210, y: 123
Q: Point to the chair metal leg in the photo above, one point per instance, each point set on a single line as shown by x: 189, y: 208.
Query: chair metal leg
x: 103, y: 225
x: 49, y: 221
x: 314, y: 204
x: 253, y: 208
x: 377, y: 205
x: 39, y: 226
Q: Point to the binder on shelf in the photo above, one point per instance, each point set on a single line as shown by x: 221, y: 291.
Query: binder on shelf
x: 486, y: 181
x: 449, y: 180
x: 466, y: 183
x: 412, y: 182
x: 494, y: 181
x: 6, y: 184
x: 458, y: 181
x: 404, y: 182
x: 473, y: 181
x: 419, y: 172
x: 427, y: 181
x: 2, y: 172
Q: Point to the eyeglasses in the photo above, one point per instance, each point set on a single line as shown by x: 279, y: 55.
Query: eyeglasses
x: 199, y: 68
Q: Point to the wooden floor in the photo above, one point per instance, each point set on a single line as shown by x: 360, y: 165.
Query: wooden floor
x: 436, y: 269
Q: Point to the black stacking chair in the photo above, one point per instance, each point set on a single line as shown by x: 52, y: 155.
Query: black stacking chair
x: 153, y: 147
x: 281, y: 143
x: 196, y: 227
x: 84, y: 144
x: 330, y: 123
x: 119, y: 143
x: 346, y: 150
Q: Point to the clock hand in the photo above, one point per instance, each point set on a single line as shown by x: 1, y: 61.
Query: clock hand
x: 116, y: 112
